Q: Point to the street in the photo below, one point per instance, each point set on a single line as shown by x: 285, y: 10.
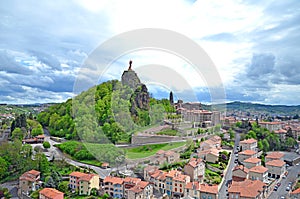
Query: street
x: 291, y: 177
x: 228, y: 175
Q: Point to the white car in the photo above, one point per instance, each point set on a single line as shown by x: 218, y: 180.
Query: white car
x: 297, y: 164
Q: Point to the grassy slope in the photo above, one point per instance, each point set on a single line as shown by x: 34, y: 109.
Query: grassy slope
x: 148, y: 150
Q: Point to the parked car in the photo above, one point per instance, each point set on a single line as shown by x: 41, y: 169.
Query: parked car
x: 287, y: 188
x: 275, y: 188
x: 278, y: 184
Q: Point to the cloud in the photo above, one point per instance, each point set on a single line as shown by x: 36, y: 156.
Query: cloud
x: 8, y: 64
x: 44, y: 44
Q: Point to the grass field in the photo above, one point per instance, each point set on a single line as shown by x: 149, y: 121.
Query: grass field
x: 148, y: 150
x: 168, y: 132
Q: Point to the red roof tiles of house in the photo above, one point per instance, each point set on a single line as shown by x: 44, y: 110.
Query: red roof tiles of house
x: 51, y: 193
x: 209, y: 188
x: 113, y: 180
x: 276, y: 163
x: 83, y: 176
x: 248, y: 141
x: 275, y: 155
x: 242, y: 168
x: 160, y: 152
x: 297, y: 191
x: 193, y: 185
x: 132, y: 180
x: 247, y: 188
x: 194, y: 162
x: 30, y: 175
x: 259, y: 169
x: 280, y: 131
x: 247, y: 152
x: 252, y: 160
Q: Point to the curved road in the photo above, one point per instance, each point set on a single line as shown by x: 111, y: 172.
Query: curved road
x: 58, y: 155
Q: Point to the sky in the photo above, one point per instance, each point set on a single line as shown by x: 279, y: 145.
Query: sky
x: 254, y: 45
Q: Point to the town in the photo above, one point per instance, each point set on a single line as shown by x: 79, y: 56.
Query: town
x: 192, y: 153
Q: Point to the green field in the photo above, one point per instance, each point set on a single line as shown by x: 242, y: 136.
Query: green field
x: 169, y: 132
x: 148, y: 150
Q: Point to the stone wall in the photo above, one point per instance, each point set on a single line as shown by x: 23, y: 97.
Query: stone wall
x: 148, y: 138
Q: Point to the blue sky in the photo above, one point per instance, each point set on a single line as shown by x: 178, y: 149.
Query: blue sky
x: 255, y: 45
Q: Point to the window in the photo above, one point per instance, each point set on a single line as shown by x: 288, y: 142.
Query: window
x: 175, y: 189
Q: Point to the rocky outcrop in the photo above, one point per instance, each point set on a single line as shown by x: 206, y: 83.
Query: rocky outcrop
x: 140, y: 98
x: 130, y: 78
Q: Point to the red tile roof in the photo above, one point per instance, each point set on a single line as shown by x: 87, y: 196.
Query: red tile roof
x: 252, y: 160
x: 113, y: 180
x: 247, y: 188
x: 276, y: 163
x: 83, y: 176
x: 209, y: 188
x: 51, y: 193
x: 193, y: 185
x: 248, y: 141
x: 131, y: 180
x: 242, y: 168
x: 297, y: 191
x: 30, y: 175
x: 275, y: 155
x: 258, y: 169
x: 247, y: 152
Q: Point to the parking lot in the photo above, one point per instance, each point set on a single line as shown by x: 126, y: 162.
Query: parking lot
x: 286, y: 183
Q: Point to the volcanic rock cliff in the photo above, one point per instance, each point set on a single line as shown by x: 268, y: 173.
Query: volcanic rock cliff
x: 140, y: 98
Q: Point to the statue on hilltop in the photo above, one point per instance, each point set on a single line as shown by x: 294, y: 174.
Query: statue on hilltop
x: 130, y: 63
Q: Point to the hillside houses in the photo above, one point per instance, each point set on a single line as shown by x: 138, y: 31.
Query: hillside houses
x: 83, y: 183
x: 166, y: 156
x: 250, y: 189
x: 29, y: 182
x: 249, y: 144
x: 195, y: 168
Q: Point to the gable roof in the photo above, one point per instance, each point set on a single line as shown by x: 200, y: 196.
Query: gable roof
x: 275, y: 155
x: 259, y: 169
x: 247, y: 152
x: 275, y: 163
x: 209, y: 188
x: 248, y: 141
x: 242, y: 168
x: 113, y: 180
x: 50, y: 193
x: 252, y: 160
x: 247, y: 188
x: 297, y: 191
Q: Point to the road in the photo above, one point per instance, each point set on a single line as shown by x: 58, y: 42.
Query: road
x: 58, y: 155
x: 228, y: 175
x: 291, y: 177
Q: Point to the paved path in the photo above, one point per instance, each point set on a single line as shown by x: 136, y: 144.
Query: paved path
x: 58, y: 155
x: 228, y: 175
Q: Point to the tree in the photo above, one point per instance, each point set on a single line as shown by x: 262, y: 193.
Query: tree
x: 46, y: 145
x: 3, y: 167
x: 63, y: 186
x: 17, y: 134
x: 266, y: 145
x: 231, y: 134
x: 260, y: 145
x: 290, y: 142
x: 6, y: 193
x: 49, y: 182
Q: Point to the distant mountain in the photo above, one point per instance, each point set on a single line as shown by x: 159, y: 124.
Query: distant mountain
x: 283, y: 110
